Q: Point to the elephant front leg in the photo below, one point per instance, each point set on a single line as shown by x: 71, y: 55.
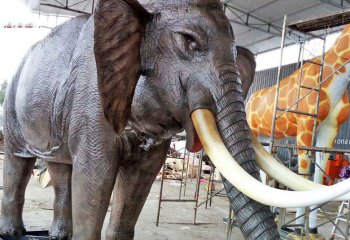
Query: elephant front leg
x: 61, y: 227
x: 134, y: 181
x: 16, y: 175
x: 93, y: 179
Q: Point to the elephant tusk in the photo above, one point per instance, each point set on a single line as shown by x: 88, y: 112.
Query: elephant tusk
x: 205, y: 126
x: 282, y: 174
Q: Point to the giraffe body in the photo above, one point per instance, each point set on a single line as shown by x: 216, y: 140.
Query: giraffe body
x: 333, y: 103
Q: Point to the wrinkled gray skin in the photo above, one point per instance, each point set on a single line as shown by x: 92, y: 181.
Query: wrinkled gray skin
x: 66, y: 104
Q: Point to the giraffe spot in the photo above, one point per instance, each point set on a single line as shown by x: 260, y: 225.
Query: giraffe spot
x: 305, y: 138
x: 256, y: 102
x: 283, y: 92
x: 342, y: 43
x: 292, y: 118
x: 340, y: 69
x: 292, y: 130
x: 279, y: 135
x: 345, y: 97
x: 268, y: 116
x: 309, y: 124
x: 260, y: 112
x: 254, y: 120
x: 304, y: 106
x: 323, y: 95
x: 282, y: 102
x: 309, y: 81
x: 265, y: 132
x: 270, y: 98
x: 312, y: 69
x: 331, y: 57
x: 323, y: 110
x: 343, y: 114
x: 254, y: 132
x: 303, y: 164
x: 327, y: 71
x: 311, y: 98
x: 266, y: 123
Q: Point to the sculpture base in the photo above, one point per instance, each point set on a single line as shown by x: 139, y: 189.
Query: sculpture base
x: 31, y: 235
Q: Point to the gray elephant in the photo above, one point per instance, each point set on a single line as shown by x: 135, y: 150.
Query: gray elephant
x: 78, y: 102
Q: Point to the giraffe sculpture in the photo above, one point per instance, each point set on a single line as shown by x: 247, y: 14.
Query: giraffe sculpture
x: 333, y: 103
x: 333, y: 108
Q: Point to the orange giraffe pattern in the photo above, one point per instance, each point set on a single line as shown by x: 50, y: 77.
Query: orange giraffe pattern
x: 333, y: 104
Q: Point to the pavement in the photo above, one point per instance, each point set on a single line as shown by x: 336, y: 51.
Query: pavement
x: 176, y: 218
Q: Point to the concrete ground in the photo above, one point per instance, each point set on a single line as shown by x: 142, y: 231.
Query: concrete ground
x: 176, y: 219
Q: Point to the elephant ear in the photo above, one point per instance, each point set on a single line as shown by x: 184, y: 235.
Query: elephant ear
x: 119, y: 27
x: 246, y: 67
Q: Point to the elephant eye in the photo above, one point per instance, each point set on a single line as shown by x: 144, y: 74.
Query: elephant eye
x: 188, y: 44
x: 191, y: 43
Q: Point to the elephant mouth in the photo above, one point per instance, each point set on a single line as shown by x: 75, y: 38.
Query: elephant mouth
x: 205, y: 125
x: 193, y: 143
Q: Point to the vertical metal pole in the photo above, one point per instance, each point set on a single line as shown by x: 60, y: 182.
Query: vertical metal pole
x: 188, y: 161
x: 160, y: 196
x: 93, y: 6
x: 300, y: 54
x: 317, y: 157
x: 198, y: 185
x: 182, y: 174
x: 302, y: 46
x: 273, y: 129
x: 209, y: 181
x: 347, y: 218
x: 319, y: 89
x: 229, y: 223
x: 192, y: 170
x: 306, y: 225
x: 211, y: 189
x: 278, y: 83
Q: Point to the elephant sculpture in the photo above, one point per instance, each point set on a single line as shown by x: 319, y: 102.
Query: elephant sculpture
x: 100, y: 98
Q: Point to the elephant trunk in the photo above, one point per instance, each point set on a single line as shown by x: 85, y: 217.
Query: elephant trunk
x: 255, y: 219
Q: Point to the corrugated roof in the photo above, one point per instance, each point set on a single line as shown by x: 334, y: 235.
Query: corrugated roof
x: 257, y: 23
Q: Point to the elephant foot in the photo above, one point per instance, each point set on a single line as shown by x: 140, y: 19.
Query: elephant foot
x: 11, y: 227
x: 119, y: 234
x: 60, y: 231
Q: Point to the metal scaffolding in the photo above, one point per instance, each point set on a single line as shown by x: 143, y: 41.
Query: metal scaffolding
x: 304, y: 30
x: 183, y: 184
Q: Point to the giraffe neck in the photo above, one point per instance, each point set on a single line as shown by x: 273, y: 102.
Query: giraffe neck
x: 338, y: 86
x: 337, y: 56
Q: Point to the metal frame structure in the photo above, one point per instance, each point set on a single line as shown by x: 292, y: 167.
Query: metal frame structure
x: 182, y: 182
x: 68, y: 7
x: 306, y: 29
x: 251, y: 21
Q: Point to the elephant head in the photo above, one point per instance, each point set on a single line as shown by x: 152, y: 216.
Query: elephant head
x: 175, y: 69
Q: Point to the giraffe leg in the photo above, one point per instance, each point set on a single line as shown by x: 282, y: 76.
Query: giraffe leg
x: 326, y: 134
x: 304, y: 138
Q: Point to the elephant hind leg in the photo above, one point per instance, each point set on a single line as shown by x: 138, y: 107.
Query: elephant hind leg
x: 16, y: 174
x: 61, y: 175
